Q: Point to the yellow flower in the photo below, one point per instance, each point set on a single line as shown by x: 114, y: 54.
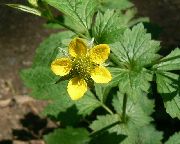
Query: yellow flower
x: 83, y: 65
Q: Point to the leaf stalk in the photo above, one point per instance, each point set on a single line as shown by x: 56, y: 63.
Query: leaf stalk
x: 124, y: 108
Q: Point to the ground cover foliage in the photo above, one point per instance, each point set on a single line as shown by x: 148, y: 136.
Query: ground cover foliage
x: 121, y: 110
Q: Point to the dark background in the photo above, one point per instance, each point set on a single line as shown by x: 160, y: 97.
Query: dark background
x: 21, y: 33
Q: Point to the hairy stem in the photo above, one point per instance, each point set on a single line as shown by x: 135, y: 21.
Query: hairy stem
x: 124, y: 108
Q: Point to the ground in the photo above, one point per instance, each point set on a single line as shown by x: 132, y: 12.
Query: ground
x: 20, y: 34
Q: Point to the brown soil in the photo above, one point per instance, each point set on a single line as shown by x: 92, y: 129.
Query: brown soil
x: 20, y: 34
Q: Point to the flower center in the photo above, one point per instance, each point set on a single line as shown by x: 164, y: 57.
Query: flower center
x: 82, y: 66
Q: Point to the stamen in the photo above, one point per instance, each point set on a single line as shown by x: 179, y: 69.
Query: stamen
x: 91, y: 43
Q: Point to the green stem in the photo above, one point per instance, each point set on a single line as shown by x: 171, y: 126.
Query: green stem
x: 101, y: 103
x: 106, y: 108
x: 124, y: 108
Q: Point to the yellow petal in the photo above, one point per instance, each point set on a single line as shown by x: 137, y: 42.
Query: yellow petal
x: 101, y: 75
x: 77, y: 47
x: 99, y: 53
x: 76, y: 88
x: 61, y: 66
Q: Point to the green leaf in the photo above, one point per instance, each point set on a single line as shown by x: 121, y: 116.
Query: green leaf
x: 49, y: 48
x: 115, y: 4
x: 80, y: 11
x: 135, y: 48
x: 57, y: 106
x: 145, y: 105
x: 136, y: 117
x: 70, y: 117
x: 87, y: 104
x: 42, y: 83
x: 170, y: 62
x: 128, y: 129
x: 175, y: 139
x: 107, y: 138
x: 168, y: 85
x: 25, y: 9
x: 108, y: 27
x: 51, y: 25
x: 106, y: 120
x: 145, y: 135
x: 134, y: 83
x: 136, y: 111
x: 68, y: 136
x: 102, y: 91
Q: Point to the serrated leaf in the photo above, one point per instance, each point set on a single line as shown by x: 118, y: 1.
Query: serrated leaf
x: 174, y: 139
x: 49, y: 48
x: 145, y: 135
x: 108, y: 27
x: 134, y: 83
x: 80, y: 11
x: 170, y: 62
x: 144, y: 104
x: 136, y: 117
x: 135, y: 134
x: 168, y: 85
x: 135, y: 111
x: 25, y: 9
x: 135, y: 48
x: 87, y: 104
x: 42, y: 83
x: 68, y: 136
x: 115, y: 4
